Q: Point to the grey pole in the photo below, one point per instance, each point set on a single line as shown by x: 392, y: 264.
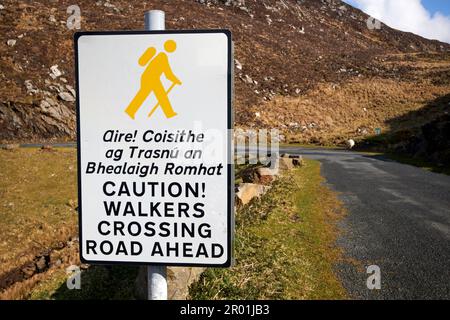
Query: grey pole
x: 156, y: 275
x: 155, y: 20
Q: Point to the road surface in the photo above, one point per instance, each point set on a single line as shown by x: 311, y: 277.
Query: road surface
x: 398, y: 219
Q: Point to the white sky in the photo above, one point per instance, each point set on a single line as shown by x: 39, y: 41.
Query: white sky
x: 408, y: 15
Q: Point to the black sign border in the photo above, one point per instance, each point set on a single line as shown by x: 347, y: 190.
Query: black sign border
x: 230, y: 120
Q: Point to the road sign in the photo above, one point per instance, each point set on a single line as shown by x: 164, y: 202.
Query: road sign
x: 154, y: 147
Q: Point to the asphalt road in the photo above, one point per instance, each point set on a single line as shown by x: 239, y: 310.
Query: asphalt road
x: 398, y: 219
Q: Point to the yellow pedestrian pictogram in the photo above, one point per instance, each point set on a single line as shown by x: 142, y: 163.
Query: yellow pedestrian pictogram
x: 151, y: 81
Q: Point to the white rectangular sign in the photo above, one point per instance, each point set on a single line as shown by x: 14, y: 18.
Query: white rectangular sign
x: 154, y: 147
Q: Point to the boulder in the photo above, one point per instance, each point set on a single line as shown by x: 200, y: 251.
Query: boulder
x: 65, y: 96
x: 285, y: 164
x: 259, y: 175
x: 266, y: 175
x: 41, y: 263
x: 282, y: 163
x: 247, y: 79
x: 250, y: 175
x: 30, y: 88
x: 71, y: 89
x: 55, y: 72
x: 297, y: 160
x: 247, y: 191
x: 238, y: 64
x: 11, y: 42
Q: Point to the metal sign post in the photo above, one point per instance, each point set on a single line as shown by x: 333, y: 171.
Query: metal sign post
x: 156, y: 274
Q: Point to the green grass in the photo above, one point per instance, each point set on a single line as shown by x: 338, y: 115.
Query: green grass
x: 284, y: 245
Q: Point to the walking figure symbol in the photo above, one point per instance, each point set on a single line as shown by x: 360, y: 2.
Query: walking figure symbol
x: 151, y: 81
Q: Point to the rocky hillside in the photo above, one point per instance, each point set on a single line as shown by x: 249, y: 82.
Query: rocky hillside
x: 312, y: 68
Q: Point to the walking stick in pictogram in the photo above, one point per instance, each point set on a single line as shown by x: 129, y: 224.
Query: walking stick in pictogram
x: 157, y: 104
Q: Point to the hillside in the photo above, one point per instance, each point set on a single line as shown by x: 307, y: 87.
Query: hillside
x: 310, y: 68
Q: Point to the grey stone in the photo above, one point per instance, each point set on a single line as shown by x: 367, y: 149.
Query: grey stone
x: 30, y: 88
x: 71, y: 90
x: 248, y: 191
x: 11, y: 42
x: 55, y: 72
x: 238, y: 64
x: 41, y: 263
x: 66, y: 96
x: 247, y: 79
x: 267, y: 175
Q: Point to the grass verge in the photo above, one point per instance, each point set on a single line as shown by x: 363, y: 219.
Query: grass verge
x: 284, y: 244
x: 37, y: 202
x: 38, y: 217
